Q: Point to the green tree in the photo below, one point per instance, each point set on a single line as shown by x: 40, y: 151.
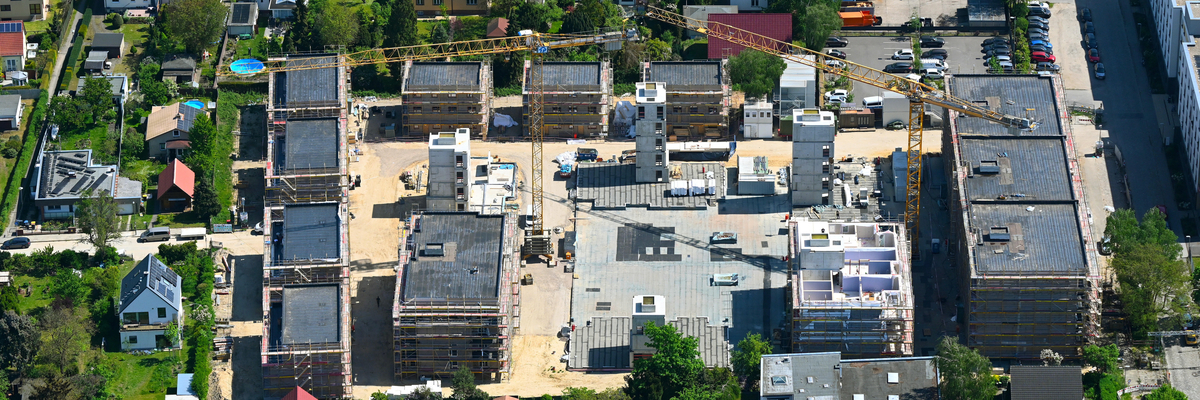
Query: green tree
x: 9, y: 300
x: 529, y: 15
x: 675, y: 365
x: 423, y: 393
x: 69, y: 113
x: 1165, y: 393
x: 336, y: 24
x: 1153, y: 280
x: 66, y: 335
x: 206, y: 202
x: 19, y: 342
x: 195, y: 23
x: 755, y: 73
x: 66, y: 286
x: 463, y: 384
x: 748, y: 355
x: 581, y: 393
x: 379, y: 396
x: 96, y: 214
x: 440, y: 34
x: 206, y: 145
x: 595, y: 11
x: 1104, y: 358
x: 817, y: 22
x: 966, y: 375
x: 97, y: 94
x: 154, y: 93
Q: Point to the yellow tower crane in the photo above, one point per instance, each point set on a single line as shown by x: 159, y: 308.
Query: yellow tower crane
x: 537, y: 239
x: 918, y: 95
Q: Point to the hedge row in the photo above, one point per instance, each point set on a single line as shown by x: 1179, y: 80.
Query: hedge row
x: 200, y: 334
x: 73, y: 56
x: 33, y: 127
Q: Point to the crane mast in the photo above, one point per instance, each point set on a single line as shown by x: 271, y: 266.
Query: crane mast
x: 917, y: 93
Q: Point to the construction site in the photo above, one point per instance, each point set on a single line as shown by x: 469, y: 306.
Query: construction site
x: 456, y: 298
x: 698, y: 97
x: 444, y: 97
x: 1030, y: 273
x: 577, y: 98
x: 306, y: 274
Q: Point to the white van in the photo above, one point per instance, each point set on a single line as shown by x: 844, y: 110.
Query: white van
x: 927, y: 63
x: 159, y: 234
x: 872, y: 102
x: 192, y: 233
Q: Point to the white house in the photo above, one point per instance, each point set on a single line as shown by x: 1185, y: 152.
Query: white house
x: 150, y: 301
x: 1177, y: 22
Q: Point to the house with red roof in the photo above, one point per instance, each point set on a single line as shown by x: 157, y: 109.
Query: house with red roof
x: 176, y: 185
x: 774, y: 26
x: 12, y: 45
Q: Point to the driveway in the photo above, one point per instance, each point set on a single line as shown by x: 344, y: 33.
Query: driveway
x: 876, y: 52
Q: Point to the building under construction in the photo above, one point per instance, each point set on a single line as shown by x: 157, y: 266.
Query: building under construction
x: 1021, y: 231
x: 576, y: 97
x: 456, y: 299
x: 443, y: 97
x: 851, y: 288
x: 306, y: 291
x: 697, y: 104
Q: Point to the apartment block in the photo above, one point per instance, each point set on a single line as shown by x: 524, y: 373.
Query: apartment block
x: 1021, y: 231
x: 457, y: 297
x: 575, y: 96
x: 812, y: 156
x: 444, y: 97
x: 697, y: 105
x: 449, y: 167
x: 1177, y: 23
x: 649, y: 126
x: 851, y: 288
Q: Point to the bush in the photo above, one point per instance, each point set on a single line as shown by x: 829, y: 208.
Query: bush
x: 8, y: 152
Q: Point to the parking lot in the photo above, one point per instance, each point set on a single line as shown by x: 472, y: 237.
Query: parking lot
x: 876, y: 52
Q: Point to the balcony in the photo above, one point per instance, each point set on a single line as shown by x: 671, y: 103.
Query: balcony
x: 144, y: 327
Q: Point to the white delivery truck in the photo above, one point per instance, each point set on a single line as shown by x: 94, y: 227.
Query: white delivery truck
x: 192, y: 233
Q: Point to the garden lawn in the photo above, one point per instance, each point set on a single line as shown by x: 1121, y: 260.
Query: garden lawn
x: 84, y: 139
x: 37, y: 298
x: 135, y: 36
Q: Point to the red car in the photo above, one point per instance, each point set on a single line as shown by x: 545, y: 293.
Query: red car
x: 1093, y: 55
x: 1041, y: 56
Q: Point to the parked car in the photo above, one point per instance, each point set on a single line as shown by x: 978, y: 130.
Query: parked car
x: 1089, y: 41
x: 1038, y: 36
x: 1032, y: 18
x: 156, y: 234
x: 1043, y: 49
x: 835, y: 63
x: 19, y: 242
x: 995, y: 40
x: 936, y: 53
x: 1085, y: 15
x: 997, y: 52
x: 1089, y: 27
x: 898, y: 68
x: 1093, y: 55
x: 993, y: 47
x: 1004, y: 58
x: 836, y: 41
x: 1045, y: 66
x: 932, y: 41
x: 913, y: 77
x: 1039, y: 25
x: 1039, y: 56
x: 1099, y: 71
x: 1041, y: 42
x: 1039, y: 11
x: 872, y: 102
x: 1005, y: 67
x: 1032, y: 4
x: 836, y: 53
x: 842, y: 93
x: 1104, y: 246
x: 1038, y: 31
x: 903, y: 54
x: 934, y: 73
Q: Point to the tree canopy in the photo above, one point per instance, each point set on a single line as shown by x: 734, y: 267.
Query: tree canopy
x: 1165, y: 392
x: 1155, y: 284
x: 1104, y: 358
x: 195, y: 23
x: 69, y: 113
x: 464, y: 387
x: 748, y: 355
x: 336, y: 24
x: 966, y: 375
x: 97, y: 94
x: 97, y: 216
x: 675, y: 370
x: 754, y: 72
x: 812, y: 20
x: 19, y: 341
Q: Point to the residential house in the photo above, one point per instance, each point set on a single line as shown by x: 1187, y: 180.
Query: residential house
x: 24, y: 10
x: 150, y: 300
x: 10, y: 111
x: 242, y: 19
x: 119, y: 6
x: 180, y: 68
x: 62, y: 177
x: 110, y: 42
x: 774, y: 26
x: 167, y: 130
x: 183, y: 388
x: 119, y: 83
x: 750, y: 5
x: 497, y: 28
x: 176, y: 185
x: 280, y: 9
x: 1039, y: 382
x: 430, y: 8
x: 700, y: 13
x: 12, y: 45
x: 828, y: 376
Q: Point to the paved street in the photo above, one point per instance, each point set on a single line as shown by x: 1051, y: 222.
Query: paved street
x: 237, y: 243
x: 1183, y: 367
x: 876, y: 52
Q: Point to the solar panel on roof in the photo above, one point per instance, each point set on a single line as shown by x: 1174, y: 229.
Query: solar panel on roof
x: 10, y: 27
x: 241, y: 14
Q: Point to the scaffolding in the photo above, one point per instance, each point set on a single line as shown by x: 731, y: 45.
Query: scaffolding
x: 1018, y: 317
x: 696, y: 113
x: 448, y: 106
x: 323, y: 369
x: 829, y: 311
x: 436, y: 337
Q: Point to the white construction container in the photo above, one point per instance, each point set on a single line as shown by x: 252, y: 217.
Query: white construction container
x: 697, y: 187
x: 712, y: 186
x: 679, y: 188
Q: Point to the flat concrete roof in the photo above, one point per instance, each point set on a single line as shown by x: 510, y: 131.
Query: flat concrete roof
x: 468, y: 266
x: 310, y: 314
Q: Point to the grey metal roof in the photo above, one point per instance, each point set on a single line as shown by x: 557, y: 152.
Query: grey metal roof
x: 10, y: 105
x: 310, y: 87
x: 310, y: 143
x: 809, y: 375
x: 444, y: 76
x: 310, y: 314
x: 243, y: 14
x: 151, y: 274
x: 69, y: 173
x: 1011, y: 95
x: 569, y: 77
x: 180, y: 62
x: 470, y: 265
x: 1036, y: 382
x: 610, y: 185
x: 310, y: 232
x: 1044, y: 239
x: 604, y: 343
x: 108, y: 40
x: 918, y: 378
x: 682, y: 76
x: 1031, y: 169
x: 128, y: 188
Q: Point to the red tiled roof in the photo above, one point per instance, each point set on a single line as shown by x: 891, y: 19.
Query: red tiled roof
x: 299, y: 394
x: 12, y: 41
x: 774, y: 26
x: 497, y: 27
x: 177, y: 175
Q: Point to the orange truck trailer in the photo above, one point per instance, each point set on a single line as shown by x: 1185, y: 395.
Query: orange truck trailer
x: 860, y: 18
